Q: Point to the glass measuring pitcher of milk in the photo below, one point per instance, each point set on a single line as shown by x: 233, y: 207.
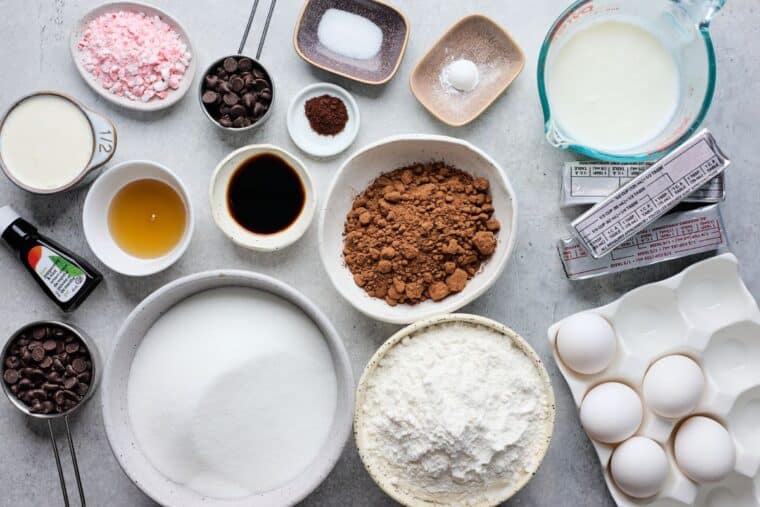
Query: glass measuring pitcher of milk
x: 627, y: 80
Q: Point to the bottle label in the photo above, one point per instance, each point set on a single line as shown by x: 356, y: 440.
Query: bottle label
x: 63, y: 277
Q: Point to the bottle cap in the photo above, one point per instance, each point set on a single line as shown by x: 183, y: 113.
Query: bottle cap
x: 7, y: 216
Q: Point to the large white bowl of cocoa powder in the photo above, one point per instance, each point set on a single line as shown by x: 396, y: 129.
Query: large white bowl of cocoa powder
x: 417, y: 225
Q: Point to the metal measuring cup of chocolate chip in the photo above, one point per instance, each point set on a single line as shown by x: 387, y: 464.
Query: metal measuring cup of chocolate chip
x: 71, y: 374
x: 236, y: 92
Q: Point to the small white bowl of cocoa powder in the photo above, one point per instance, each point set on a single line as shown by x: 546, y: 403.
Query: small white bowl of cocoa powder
x: 417, y: 225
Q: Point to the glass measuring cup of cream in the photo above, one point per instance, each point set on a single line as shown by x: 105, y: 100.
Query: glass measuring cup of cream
x: 49, y: 142
x: 627, y: 81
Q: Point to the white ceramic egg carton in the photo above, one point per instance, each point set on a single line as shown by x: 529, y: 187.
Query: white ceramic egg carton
x: 705, y: 312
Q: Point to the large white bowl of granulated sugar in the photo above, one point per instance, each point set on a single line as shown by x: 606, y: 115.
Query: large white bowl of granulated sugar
x: 455, y: 410
x: 227, y: 388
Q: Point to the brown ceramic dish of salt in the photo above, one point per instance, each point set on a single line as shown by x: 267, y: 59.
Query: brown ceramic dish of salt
x: 476, y: 38
x: 378, y: 69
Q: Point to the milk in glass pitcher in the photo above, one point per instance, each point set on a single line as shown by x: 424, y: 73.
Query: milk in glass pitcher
x: 627, y: 80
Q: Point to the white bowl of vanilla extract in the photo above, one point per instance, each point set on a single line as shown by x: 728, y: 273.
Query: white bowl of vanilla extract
x: 262, y: 197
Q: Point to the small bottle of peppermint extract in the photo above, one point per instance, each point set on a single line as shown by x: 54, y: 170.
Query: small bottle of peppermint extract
x: 65, y: 277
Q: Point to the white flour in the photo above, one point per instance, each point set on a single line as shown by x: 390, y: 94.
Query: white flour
x: 456, y: 414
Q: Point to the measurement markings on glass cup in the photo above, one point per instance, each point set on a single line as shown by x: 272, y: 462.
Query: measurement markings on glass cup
x: 650, y: 195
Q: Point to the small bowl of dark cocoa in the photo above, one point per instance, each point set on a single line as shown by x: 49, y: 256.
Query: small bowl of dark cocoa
x: 236, y: 93
x: 49, y: 369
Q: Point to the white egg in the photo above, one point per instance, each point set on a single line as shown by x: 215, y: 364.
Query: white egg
x: 704, y: 450
x: 673, y: 386
x: 586, y: 343
x: 462, y: 75
x: 639, y: 467
x: 611, y: 412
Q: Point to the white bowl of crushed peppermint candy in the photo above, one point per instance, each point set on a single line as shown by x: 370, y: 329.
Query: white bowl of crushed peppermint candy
x: 134, y: 55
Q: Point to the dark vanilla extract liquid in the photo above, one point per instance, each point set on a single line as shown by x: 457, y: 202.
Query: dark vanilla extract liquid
x: 265, y: 194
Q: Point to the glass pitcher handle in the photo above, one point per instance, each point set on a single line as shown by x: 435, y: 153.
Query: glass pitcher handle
x: 701, y: 11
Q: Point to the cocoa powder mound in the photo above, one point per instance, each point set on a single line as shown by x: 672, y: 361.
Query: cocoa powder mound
x: 419, y: 232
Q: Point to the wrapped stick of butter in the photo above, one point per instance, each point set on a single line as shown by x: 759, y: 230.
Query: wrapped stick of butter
x: 650, y: 195
x: 588, y: 182
x: 673, y: 236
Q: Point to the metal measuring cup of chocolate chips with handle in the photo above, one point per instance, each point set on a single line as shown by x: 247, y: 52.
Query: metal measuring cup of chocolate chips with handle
x: 50, y: 142
x: 49, y: 370
x: 237, y: 92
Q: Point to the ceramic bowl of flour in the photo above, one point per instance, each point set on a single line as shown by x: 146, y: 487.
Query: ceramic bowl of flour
x: 453, y: 410
x: 391, y: 153
x: 186, y: 465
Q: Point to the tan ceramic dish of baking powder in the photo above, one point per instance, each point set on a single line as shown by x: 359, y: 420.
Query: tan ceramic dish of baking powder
x: 413, y: 329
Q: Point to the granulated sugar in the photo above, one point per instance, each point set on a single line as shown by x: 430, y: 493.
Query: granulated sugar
x: 456, y: 414
x: 232, y: 392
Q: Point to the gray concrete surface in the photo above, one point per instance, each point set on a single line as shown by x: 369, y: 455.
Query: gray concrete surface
x: 531, y: 294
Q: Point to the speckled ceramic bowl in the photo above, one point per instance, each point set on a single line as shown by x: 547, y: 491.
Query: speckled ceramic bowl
x: 476, y: 38
x: 118, y: 424
x: 376, y: 70
x: 531, y: 468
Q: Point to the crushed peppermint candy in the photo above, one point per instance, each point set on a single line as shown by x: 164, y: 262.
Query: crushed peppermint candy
x: 134, y: 55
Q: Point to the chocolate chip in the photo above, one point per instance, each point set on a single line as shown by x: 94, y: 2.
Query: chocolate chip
x: 259, y: 109
x: 260, y: 84
x: 38, y: 394
x: 225, y: 122
x: 11, y: 376
x: 49, y: 345
x: 50, y: 388
x: 25, y: 384
x: 230, y: 99
x: 211, y: 81
x: 230, y: 64
x: 237, y: 83
x: 238, y: 122
x: 58, y: 365
x: 82, y: 388
x: 237, y: 110
x: 79, y: 365
x: 46, y: 363
x: 84, y: 377
x: 224, y: 87
x: 38, y: 354
x: 266, y: 95
x: 249, y: 100
x: 39, y: 333
x: 210, y: 97
x: 245, y: 64
x: 12, y: 362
